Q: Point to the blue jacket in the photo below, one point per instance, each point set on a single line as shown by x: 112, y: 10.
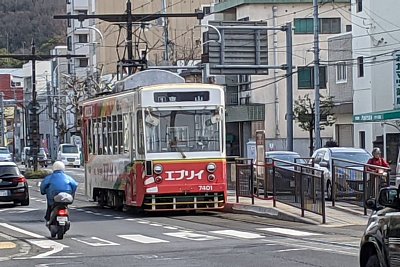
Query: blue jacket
x: 56, y: 183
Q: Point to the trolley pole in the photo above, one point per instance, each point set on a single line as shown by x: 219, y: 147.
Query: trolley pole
x: 2, y: 118
x: 317, y: 143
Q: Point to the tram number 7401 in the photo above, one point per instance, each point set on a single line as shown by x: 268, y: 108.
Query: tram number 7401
x: 205, y: 187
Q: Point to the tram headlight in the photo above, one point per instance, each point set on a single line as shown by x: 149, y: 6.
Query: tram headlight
x: 158, y: 179
x: 211, y: 177
x: 211, y: 167
x: 158, y: 169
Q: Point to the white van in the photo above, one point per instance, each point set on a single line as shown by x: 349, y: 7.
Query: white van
x: 69, y: 154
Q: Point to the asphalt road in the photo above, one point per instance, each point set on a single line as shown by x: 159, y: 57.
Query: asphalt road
x: 104, y: 237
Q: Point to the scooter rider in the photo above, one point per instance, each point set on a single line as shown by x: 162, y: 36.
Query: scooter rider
x: 55, y: 183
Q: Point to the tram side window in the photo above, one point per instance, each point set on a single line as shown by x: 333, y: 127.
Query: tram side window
x: 125, y: 134
x: 99, y: 137
x: 89, y: 137
x: 115, y: 135
x: 120, y: 140
x: 140, y: 139
x: 109, y: 135
x: 104, y: 135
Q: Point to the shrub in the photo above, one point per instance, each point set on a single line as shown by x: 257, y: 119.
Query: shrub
x: 39, y: 174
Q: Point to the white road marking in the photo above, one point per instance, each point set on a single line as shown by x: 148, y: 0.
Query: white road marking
x: 143, y: 222
x: 192, y: 236
x: 80, y: 210
x: 47, y: 244
x: 155, y: 224
x: 102, y: 242
x: 240, y: 234
x: 108, y: 215
x: 18, y: 210
x: 130, y: 219
x: 89, y: 212
x: 286, y: 231
x: 22, y: 231
x: 170, y: 228
x: 118, y: 217
x: 143, y: 239
x: 290, y: 249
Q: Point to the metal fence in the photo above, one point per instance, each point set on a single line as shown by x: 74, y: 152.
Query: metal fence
x: 355, y: 182
x: 244, y: 178
x: 299, y: 186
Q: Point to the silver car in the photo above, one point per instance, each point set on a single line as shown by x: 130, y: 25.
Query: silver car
x: 5, y: 154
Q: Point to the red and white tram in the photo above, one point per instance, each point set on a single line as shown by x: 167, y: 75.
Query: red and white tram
x: 157, y: 147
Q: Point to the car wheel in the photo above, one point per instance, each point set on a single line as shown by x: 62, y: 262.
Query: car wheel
x: 25, y: 202
x: 328, y: 190
x: 373, y: 261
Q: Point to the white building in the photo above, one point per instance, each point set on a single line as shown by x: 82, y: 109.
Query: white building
x: 270, y: 90
x: 81, y: 39
x: 376, y: 39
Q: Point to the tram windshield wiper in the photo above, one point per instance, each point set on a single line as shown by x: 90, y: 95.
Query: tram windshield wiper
x: 181, y: 151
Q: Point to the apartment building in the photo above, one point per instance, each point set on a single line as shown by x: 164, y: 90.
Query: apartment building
x: 81, y: 40
x: 270, y: 90
x: 376, y: 72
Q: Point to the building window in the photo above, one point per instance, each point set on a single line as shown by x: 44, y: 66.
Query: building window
x: 360, y: 66
x: 326, y: 25
x: 82, y: 12
x: 349, y: 28
x: 69, y: 43
x: 359, y: 5
x: 362, y: 139
x: 82, y: 38
x: 305, y: 77
x: 341, y: 72
x: 83, y: 62
x: 69, y: 68
x: 206, y: 10
x: 68, y: 2
x: 69, y: 20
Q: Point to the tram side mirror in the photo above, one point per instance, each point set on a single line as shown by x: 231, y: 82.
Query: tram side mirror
x: 149, y: 167
x: 213, y: 120
x: 153, y: 121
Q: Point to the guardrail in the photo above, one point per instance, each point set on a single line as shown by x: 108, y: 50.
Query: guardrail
x: 244, y: 178
x: 355, y: 182
x: 299, y: 186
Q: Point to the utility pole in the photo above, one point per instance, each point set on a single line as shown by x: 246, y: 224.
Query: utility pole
x: 289, y: 84
x: 165, y: 25
x: 131, y: 19
x: 317, y: 129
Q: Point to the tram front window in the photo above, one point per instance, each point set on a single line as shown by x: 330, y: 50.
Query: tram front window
x: 182, y: 131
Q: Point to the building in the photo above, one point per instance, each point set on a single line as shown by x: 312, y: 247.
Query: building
x: 11, y: 86
x: 270, y: 90
x: 81, y: 40
x: 376, y: 62
x: 340, y: 79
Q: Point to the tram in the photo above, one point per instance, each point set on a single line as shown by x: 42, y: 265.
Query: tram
x: 156, y: 143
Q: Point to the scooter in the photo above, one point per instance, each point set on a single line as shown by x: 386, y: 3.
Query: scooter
x: 59, y: 222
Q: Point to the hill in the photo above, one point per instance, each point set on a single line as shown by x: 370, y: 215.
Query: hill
x: 23, y: 20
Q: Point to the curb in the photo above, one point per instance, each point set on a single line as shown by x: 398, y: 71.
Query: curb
x: 265, y: 212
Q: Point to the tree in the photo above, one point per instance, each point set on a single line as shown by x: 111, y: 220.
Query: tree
x: 304, y: 113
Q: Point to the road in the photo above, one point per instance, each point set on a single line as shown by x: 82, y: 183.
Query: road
x: 104, y: 237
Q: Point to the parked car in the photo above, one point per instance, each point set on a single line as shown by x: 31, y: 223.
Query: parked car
x: 13, y: 185
x: 5, y: 154
x: 379, y: 245
x: 323, y: 160
x: 69, y: 154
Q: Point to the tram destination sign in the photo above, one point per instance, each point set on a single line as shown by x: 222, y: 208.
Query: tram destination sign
x: 181, y: 96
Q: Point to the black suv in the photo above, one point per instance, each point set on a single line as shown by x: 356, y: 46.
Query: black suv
x: 380, y: 244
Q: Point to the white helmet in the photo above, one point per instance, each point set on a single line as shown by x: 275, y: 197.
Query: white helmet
x: 58, y: 166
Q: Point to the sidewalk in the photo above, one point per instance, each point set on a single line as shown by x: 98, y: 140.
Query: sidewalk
x: 342, y: 214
